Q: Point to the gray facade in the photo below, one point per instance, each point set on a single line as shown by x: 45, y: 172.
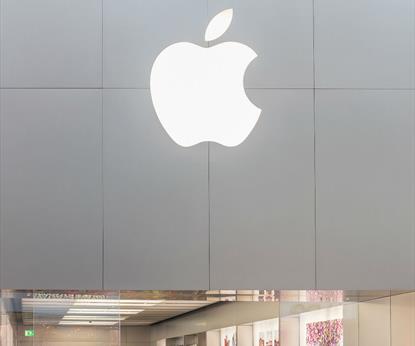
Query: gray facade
x: 95, y: 194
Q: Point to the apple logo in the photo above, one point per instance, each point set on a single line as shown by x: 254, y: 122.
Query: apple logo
x: 198, y: 93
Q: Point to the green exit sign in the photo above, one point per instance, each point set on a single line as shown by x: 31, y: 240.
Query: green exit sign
x: 29, y: 332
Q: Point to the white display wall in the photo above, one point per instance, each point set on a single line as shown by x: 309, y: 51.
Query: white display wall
x: 228, y: 336
x: 266, y: 333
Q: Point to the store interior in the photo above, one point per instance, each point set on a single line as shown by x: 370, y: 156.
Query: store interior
x: 207, y: 318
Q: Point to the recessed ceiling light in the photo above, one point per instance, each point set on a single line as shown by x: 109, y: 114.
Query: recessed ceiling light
x: 105, y: 311
x: 94, y: 318
x: 88, y: 323
x: 116, y: 302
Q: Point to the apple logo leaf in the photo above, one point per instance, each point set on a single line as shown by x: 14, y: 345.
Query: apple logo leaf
x: 218, y: 25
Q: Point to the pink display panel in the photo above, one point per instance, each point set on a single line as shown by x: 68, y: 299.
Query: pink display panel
x: 325, y: 333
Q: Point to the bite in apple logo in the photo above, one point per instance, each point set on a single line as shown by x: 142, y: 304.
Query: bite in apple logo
x: 198, y: 93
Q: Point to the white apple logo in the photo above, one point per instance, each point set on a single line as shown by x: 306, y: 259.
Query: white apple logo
x: 198, y: 92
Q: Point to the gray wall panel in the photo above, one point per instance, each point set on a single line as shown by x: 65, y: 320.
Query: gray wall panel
x: 51, y: 43
x: 262, y: 198
x: 156, y: 200
x: 51, y: 200
x: 280, y: 32
x: 136, y: 31
x: 365, y: 43
x: 365, y: 189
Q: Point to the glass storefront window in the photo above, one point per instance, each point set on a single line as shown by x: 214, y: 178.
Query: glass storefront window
x: 207, y: 318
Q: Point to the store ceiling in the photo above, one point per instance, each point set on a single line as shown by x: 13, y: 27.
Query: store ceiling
x: 104, y: 311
